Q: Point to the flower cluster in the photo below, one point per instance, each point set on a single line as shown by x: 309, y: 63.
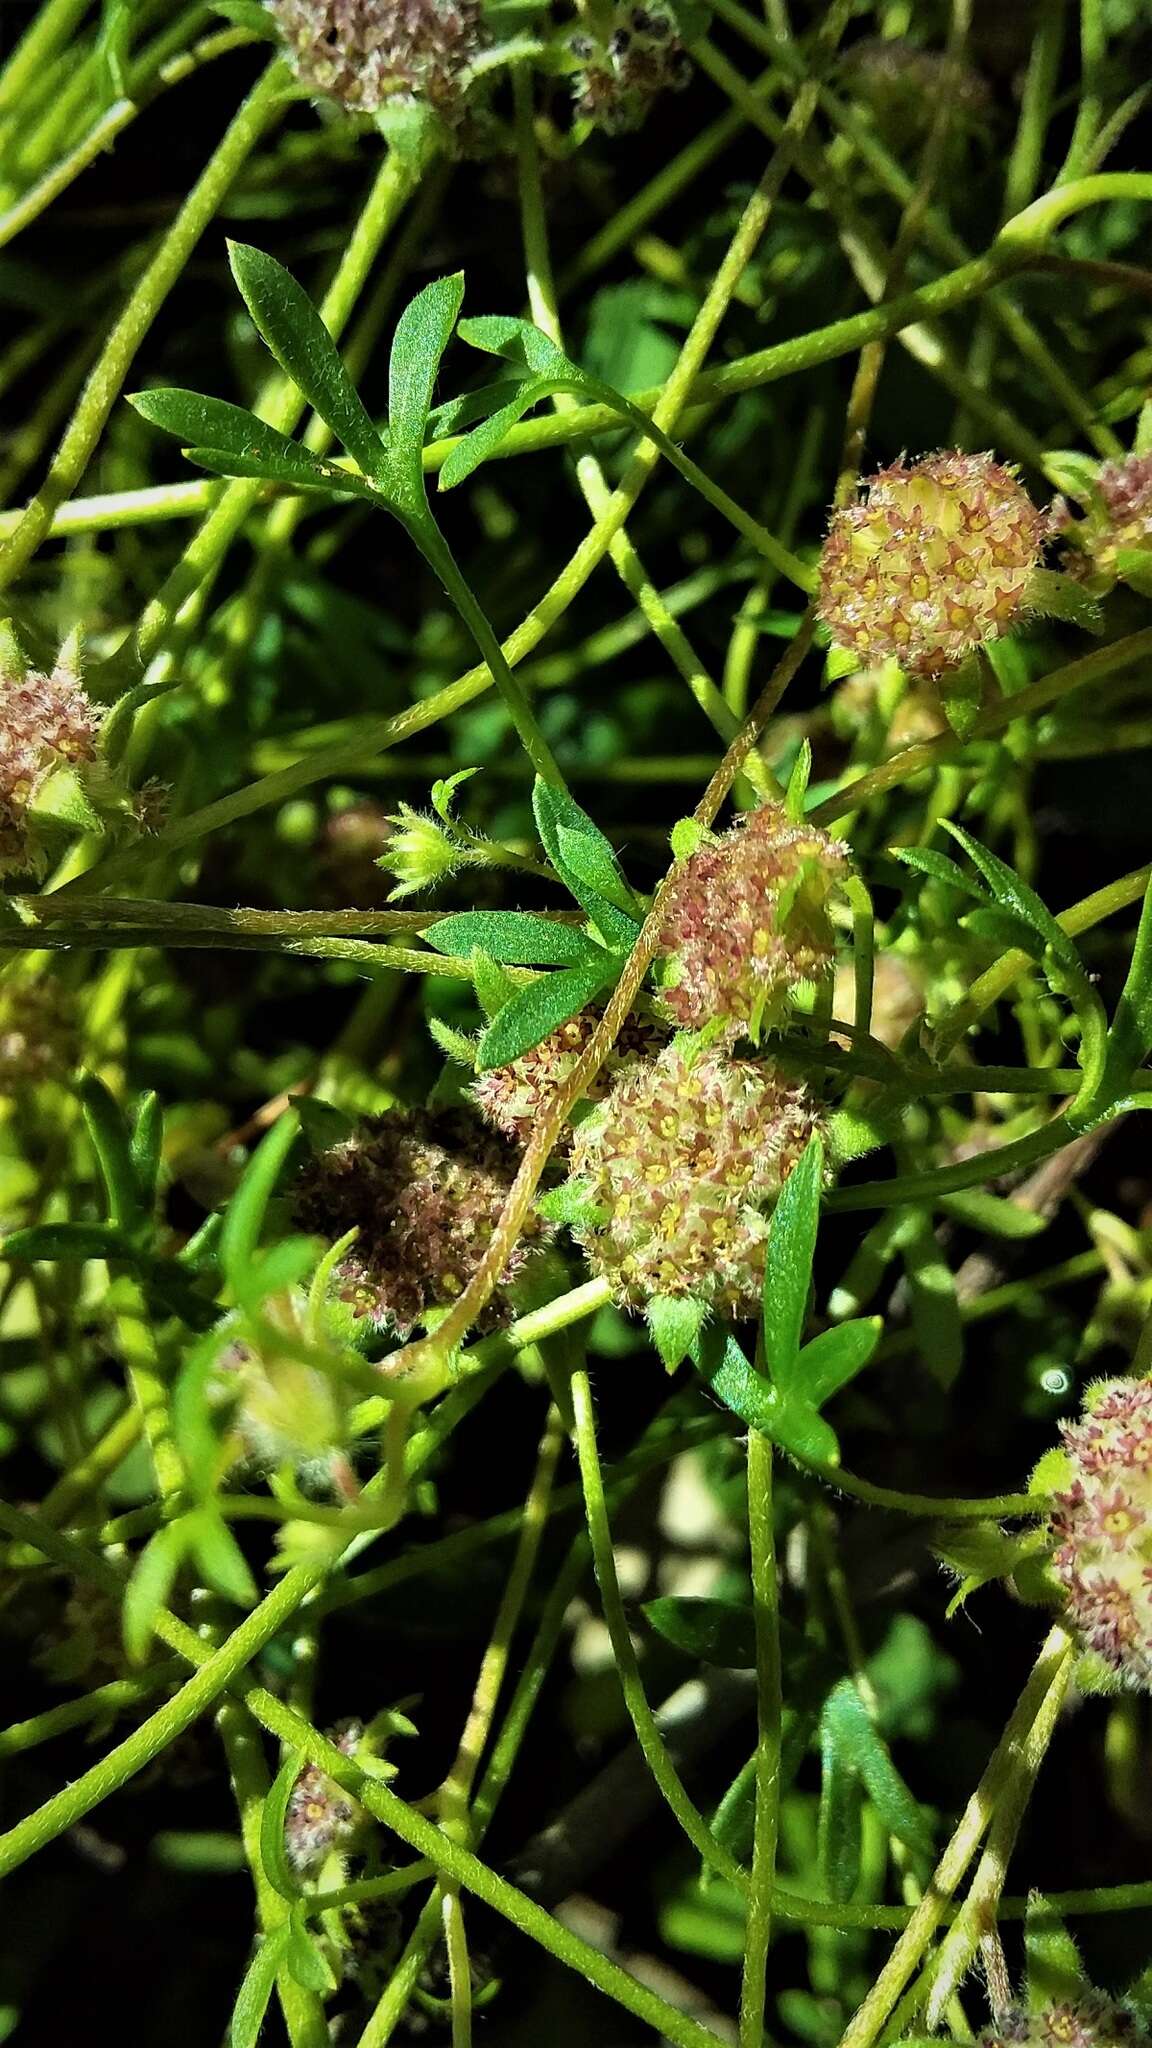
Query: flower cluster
x: 1102, y: 1527
x: 619, y: 78
x: 678, y: 1165
x: 1092, y: 2021
x: 46, y: 722
x: 747, y: 921
x: 366, y: 52
x: 933, y: 561
x: 320, y: 1816
x: 1119, y: 520
x: 424, y: 1189
x: 901, y: 85
x: 514, y: 1097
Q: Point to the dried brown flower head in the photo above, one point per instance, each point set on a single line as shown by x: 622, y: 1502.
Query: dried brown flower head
x: 747, y: 920
x: 364, y: 53
x: 425, y: 1189
x: 933, y: 561
x: 680, y: 1161
x: 1091, y: 2021
x: 641, y: 57
x: 514, y: 1097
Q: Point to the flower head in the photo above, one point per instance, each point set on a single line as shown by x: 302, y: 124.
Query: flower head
x: 679, y: 1163
x: 39, y: 1039
x: 747, y: 920
x: 933, y: 561
x: 514, y: 1097
x: 46, y: 722
x: 424, y: 1189
x: 1101, y: 1526
x: 366, y: 52
x: 1090, y: 2021
x: 620, y: 77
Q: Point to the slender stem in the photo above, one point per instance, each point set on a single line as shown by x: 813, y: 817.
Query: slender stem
x: 631, y: 1684
x: 769, y: 1711
x: 106, y: 380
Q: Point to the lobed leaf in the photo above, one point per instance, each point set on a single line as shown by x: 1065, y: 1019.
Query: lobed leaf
x: 292, y: 329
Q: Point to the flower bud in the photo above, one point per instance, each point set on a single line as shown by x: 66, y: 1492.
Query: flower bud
x: 642, y: 57
x: 291, y: 1392
x: 47, y: 724
x: 1102, y: 1528
x: 933, y: 561
x: 366, y: 52
x: 419, y: 853
x: 424, y: 1189
x: 516, y: 1096
x: 678, y: 1165
x: 747, y: 921
x: 1091, y: 2021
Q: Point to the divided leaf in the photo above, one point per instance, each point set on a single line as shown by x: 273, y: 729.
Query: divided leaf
x: 292, y: 329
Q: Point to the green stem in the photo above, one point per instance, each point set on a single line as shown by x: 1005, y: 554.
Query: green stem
x: 106, y: 380
x: 643, y: 1720
x: 769, y: 1712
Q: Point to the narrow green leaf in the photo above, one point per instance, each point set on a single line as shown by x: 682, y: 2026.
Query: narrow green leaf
x: 292, y: 329
x: 210, y: 426
x: 717, y: 1631
x: 456, y: 415
x: 302, y: 474
x: 111, y: 1142
x: 519, y: 342
x: 152, y: 1579
x: 273, y: 1852
x: 1130, y: 1038
x: 835, y: 1357
x: 839, y: 1822
x: 220, y: 1559
x: 788, y: 1421
x: 70, y: 1242
x: 848, y: 1728
x: 1015, y: 895
x: 554, y: 809
x: 1054, y: 1971
x: 255, y: 1994
x: 534, y: 1012
x: 468, y: 454
x: 303, y: 1959
x: 1057, y: 596
x: 674, y: 1323
x: 493, y: 986
x: 795, y: 796
x: 788, y: 1265
x: 927, y: 861
x: 515, y: 938
x: 422, y: 334
x: 144, y: 1149
x: 804, y: 1434
x: 591, y: 860
x: 991, y: 1214
x: 244, y: 1217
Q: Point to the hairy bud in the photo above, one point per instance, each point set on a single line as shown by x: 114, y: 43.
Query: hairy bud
x: 1102, y: 1527
x: 747, y: 921
x: 291, y: 1394
x: 933, y: 561
x: 366, y: 52
x: 424, y: 1189
x: 515, y: 1097
x: 642, y: 57
x: 1092, y: 2021
x: 679, y: 1163
x: 47, y: 722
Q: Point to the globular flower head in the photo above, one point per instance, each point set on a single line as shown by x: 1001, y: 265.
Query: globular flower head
x: 516, y: 1096
x: 679, y: 1163
x: 1101, y: 1526
x: 620, y: 77
x: 47, y: 722
x: 1119, y: 519
x: 321, y: 1817
x: 933, y: 560
x: 366, y: 52
x: 424, y: 1189
x: 748, y: 920
x: 901, y: 85
x: 1089, y: 2021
